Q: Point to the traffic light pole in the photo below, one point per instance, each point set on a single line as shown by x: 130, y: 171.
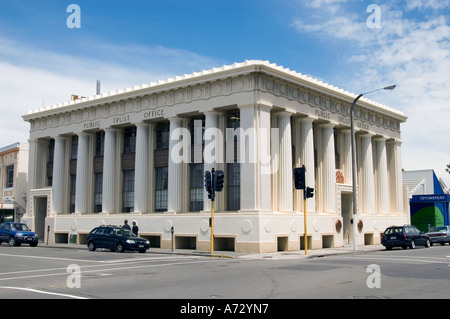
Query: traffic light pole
x: 304, y: 214
x: 212, y: 227
x: 213, y: 183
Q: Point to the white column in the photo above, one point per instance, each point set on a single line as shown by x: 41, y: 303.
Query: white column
x: 394, y: 157
x: 175, y: 177
x: 382, y: 181
x: 81, y: 188
x: 368, y: 180
x: 329, y: 169
x: 285, y: 171
x: 210, y: 151
x: 248, y: 171
x: 58, y: 175
x: 109, y: 172
x: 264, y: 158
x: 307, y: 157
x: 141, y: 181
x: 298, y: 161
x: 346, y: 156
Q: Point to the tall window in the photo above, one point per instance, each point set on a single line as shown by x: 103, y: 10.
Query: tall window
x: 74, y: 150
x: 51, y: 154
x: 98, y: 192
x: 99, y: 143
x: 161, y: 163
x: 161, y: 177
x: 73, y: 172
x: 129, y: 140
x: 233, y: 169
x: 196, y: 127
x: 73, y: 183
x: 9, y: 176
x: 98, y: 170
x: 196, y: 188
x: 128, y: 191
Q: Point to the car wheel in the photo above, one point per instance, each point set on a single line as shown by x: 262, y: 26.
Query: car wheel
x: 33, y: 244
x: 412, y: 245
x: 142, y: 251
x: 427, y: 243
x: 120, y: 248
x: 91, y: 246
x: 12, y: 241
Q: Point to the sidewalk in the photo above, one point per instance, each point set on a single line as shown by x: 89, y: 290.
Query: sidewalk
x: 312, y: 253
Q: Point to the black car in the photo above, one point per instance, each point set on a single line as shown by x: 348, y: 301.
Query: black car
x: 16, y: 234
x: 404, y: 236
x: 115, y: 238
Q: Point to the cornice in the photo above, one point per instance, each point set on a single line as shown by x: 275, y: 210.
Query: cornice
x: 205, y: 76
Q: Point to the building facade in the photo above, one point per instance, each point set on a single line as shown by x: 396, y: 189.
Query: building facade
x: 141, y: 153
x: 13, y: 179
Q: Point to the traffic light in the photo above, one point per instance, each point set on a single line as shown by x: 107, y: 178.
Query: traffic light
x: 309, y: 192
x: 219, y: 181
x: 208, y: 184
x: 299, y: 177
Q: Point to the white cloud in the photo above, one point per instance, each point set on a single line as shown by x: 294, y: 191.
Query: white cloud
x: 31, y: 77
x: 411, y: 50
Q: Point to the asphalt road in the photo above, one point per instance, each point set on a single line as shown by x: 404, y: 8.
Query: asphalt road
x: 63, y: 273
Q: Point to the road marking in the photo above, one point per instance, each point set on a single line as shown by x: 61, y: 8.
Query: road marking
x: 394, y: 259
x: 53, y: 258
x: 128, y: 267
x: 43, y: 292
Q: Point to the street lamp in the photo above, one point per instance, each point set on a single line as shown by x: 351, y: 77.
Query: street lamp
x: 352, y: 130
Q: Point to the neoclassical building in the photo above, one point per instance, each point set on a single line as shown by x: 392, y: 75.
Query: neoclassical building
x: 115, y: 156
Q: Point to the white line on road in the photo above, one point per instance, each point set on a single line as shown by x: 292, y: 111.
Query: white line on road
x: 128, y: 267
x: 395, y: 259
x: 43, y: 292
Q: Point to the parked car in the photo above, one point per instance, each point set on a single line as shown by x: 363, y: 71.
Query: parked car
x: 115, y: 238
x: 404, y: 236
x: 439, y: 234
x: 16, y: 234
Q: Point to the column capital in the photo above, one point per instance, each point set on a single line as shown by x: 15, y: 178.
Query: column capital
x: 211, y: 112
x: 394, y: 141
x: 306, y: 119
x: 143, y: 124
x: 380, y: 139
x: 175, y: 119
x: 328, y: 125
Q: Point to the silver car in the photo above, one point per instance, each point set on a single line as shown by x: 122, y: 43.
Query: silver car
x: 439, y: 234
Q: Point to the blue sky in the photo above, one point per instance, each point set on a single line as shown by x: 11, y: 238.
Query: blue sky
x: 126, y: 43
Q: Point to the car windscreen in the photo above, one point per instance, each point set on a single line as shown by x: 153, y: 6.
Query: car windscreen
x: 123, y: 232
x: 395, y: 230
x: 19, y: 227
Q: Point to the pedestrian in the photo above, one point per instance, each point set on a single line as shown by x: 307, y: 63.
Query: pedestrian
x: 135, y: 229
x: 125, y: 225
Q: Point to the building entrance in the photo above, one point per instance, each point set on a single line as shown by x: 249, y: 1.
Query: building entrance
x: 40, y: 212
x: 347, y: 216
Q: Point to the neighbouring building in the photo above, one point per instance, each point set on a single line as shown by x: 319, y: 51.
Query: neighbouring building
x: 428, y: 199
x: 141, y: 153
x: 13, y: 179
